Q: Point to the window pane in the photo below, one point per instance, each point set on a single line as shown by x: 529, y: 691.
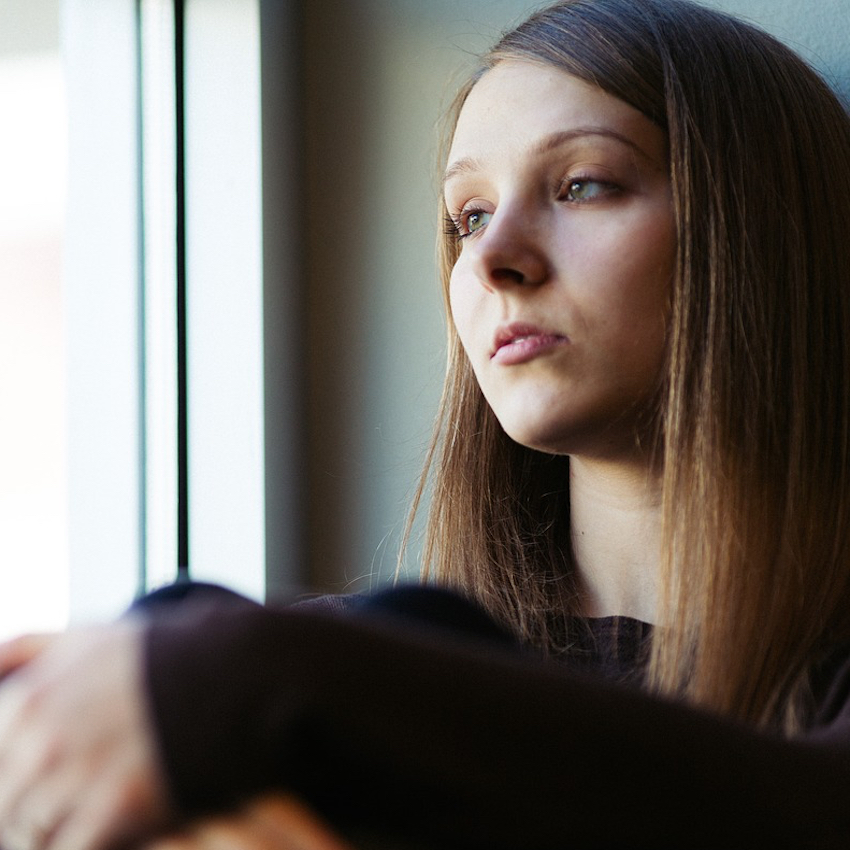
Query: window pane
x: 33, y: 506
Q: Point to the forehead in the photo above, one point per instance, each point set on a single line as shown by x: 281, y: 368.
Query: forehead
x: 517, y: 103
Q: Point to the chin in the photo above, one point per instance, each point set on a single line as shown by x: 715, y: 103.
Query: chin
x: 549, y: 441
x: 591, y: 438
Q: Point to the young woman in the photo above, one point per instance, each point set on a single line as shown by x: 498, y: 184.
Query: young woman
x: 728, y: 381
x: 641, y: 474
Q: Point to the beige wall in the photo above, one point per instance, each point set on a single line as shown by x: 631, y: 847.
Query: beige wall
x: 377, y: 76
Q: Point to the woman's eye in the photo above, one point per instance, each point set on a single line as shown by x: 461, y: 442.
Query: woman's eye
x: 585, y: 190
x: 467, y: 222
x: 475, y: 220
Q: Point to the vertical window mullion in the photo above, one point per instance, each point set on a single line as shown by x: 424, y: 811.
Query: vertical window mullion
x: 182, y: 369
x: 163, y: 275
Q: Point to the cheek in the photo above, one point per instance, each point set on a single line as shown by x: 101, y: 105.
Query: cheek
x: 463, y: 304
x: 637, y: 286
x: 627, y: 313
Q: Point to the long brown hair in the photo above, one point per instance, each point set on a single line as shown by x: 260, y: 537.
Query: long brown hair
x: 754, y: 420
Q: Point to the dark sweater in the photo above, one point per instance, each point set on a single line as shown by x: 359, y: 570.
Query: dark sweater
x: 412, y: 721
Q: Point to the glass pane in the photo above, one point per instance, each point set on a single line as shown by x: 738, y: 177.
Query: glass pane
x: 33, y: 505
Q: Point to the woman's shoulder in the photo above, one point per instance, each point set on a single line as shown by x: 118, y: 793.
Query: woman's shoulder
x: 416, y: 607
x: 329, y: 602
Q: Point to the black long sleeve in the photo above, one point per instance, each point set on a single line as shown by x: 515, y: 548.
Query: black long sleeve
x: 435, y: 739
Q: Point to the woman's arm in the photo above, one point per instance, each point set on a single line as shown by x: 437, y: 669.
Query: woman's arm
x: 78, y: 763
x: 404, y: 731
x: 438, y: 740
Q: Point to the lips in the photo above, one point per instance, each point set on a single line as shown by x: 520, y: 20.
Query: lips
x: 519, y: 343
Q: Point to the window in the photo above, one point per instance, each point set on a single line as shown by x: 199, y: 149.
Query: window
x: 33, y: 506
x: 92, y: 252
x: 137, y: 162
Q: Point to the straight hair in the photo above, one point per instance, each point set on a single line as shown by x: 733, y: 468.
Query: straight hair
x: 754, y: 404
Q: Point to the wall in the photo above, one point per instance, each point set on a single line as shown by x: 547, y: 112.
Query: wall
x: 377, y: 74
x: 376, y: 78
x: 819, y: 31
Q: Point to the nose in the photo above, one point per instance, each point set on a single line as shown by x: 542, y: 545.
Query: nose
x: 510, y: 252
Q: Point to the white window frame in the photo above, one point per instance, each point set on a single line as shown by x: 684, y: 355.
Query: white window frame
x: 121, y: 344
x: 224, y: 296
x: 102, y: 308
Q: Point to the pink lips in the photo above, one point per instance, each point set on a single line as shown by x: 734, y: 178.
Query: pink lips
x: 519, y: 343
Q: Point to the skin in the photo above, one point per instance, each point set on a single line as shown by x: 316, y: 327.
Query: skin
x: 270, y: 823
x: 78, y: 762
x: 102, y: 787
x: 561, y: 199
x: 577, y: 240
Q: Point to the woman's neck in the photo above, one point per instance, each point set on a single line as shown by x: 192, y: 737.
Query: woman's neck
x: 615, y: 512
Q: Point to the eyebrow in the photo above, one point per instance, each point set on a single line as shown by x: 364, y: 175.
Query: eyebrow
x: 468, y: 165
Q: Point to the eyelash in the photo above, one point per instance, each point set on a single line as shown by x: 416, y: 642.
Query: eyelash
x: 454, y: 224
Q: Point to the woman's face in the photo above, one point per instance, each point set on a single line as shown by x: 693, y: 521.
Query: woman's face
x: 560, y: 196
